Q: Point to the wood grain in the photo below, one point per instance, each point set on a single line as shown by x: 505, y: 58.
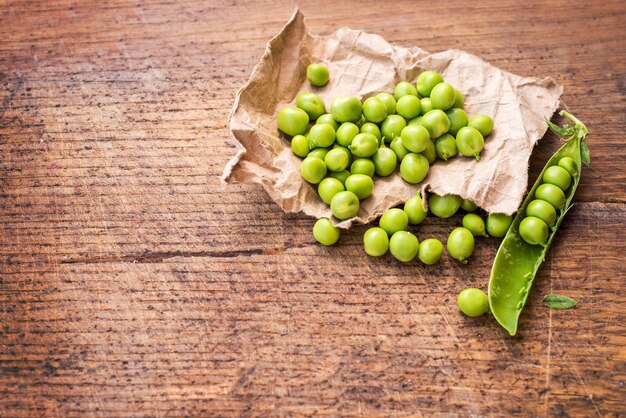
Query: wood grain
x: 132, y: 285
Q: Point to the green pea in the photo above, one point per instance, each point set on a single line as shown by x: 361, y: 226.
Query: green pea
x: 470, y: 142
x: 445, y: 146
x: 468, y: 205
x: 363, y: 166
x: 473, y: 302
x: 459, y: 100
x: 360, y: 184
x: 375, y: 242
x: 340, y: 175
x: 317, y: 74
x: 570, y: 165
x: 458, y: 119
x: 385, y: 161
x: 371, y: 128
x: 415, y: 138
x: 374, y: 110
x: 408, y: 106
x: 346, y: 133
x: 398, y: 148
x: 475, y: 224
x: 292, y: 121
x: 430, y: 152
x: 344, y: 205
x: 404, y: 88
x: 460, y: 244
x: 558, y: 176
x: 416, y: 121
x: 542, y: 210
x: 426, y: 81
x: 414, y: 168
x: 364, y: 145
x: 430, y: 251
x: 312, y: 104
x: 533, y: 230
x: 329, y: 187
x: 321, y: 135
x: 325, y: 232
x: 318, y: 153
x: 328, y: 118
x: 392, y: 127
x: 551, y: 194
x: 427, y: 105
x: 313, y: 170
x: 337, y: 159
x: 394, y: 220
x: 482, y: 123
x: 414, y: 210
x: 444, y: 206
x: 404, y: 246
x: 442, y: 96
x: 389, y: 101
x: 498, y: 224
x: 300, y: 145
x: 346, y: 109
x: 436, y: 122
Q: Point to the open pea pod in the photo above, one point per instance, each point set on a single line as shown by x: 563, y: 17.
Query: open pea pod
x: 517, y: 262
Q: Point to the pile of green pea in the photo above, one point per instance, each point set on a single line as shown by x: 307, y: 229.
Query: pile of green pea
x: 549, y: 197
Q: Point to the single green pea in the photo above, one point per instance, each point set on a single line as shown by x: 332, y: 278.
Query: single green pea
x: 430, y: 152
x: 475, y: 224
x: 321, y: 135
x: 470, y: 142
x: 394, y: 220
x: 473, y: 302
x: 360, y: 184
x: 398, y: 148
x: 404, y: 88
x: 533, y: 230
x: 415, y: 138
x: 346, y: 109
x: 416, y: 121
x: 363, y: 166
x: 313, y: 170
x: 385, y: 161
x: 337, y: 159
x: 389, y: 101
x: 317, y: 74
x: 427, y: 105
x: 436, y: 122
x: 329, y: 187
x: 300, y: 145
x: 551, y: 194
x: 328, y: 118
x: 442, y: 96
x: 542, y: 210
x: 318, y: 153
x: 414, y: 168
x: 375, y: 242
x: 292, y: 120
x: 468, y: 205
x: 444, y: 206
x: 364, y: 145
x: 344, y: 205
x: 392, y: 127
x: 371, y: 128
x: 570, y: 165
x: 408, y: 107
x: 374, y: 110
x: 325, y: 232
x: 414, y: 209
x: 458, y: 119
x: 460, y: 244
x: 346, y: 133
x: 558, y: 176
x: 312, y: 104
x: 482, y: 123
x: 430, y: 251
x: 340, y: 175
x: 498, y: 224
x: 426, y: 81
x: 445, y: 146
x: 459, y: 100
x: 404, y: 246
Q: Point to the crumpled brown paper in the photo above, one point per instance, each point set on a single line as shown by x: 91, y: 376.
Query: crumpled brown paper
x: 363, y: 64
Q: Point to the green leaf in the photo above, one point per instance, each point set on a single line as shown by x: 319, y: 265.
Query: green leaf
x: 584, y: 153
x: 554, y: 301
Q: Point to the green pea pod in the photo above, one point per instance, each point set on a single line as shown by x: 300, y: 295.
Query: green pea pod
x: 517, y: 262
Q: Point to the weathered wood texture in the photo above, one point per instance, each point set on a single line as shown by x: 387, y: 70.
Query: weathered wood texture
x: 131, y: 284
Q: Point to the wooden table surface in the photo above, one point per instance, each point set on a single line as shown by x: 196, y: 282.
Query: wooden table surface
x: 132, y: 285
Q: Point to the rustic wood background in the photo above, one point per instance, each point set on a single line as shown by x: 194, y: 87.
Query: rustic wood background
x: 132, y: 285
